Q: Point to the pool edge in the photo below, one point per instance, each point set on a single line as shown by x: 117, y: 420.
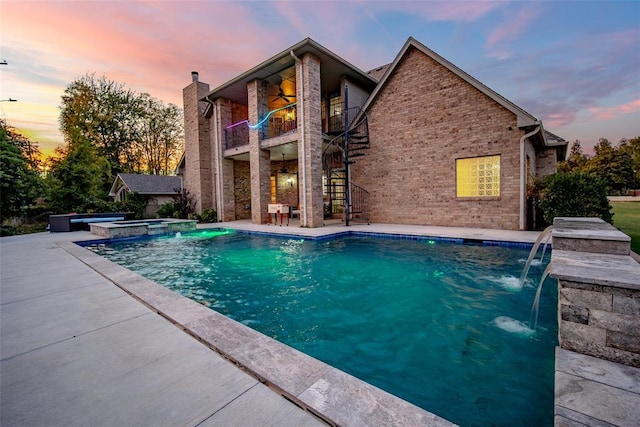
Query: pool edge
x: 332, y: 395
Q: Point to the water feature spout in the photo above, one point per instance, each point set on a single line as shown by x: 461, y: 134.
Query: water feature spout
x: 178, y: 234
x: 534, y: 250
x: 544, y: 246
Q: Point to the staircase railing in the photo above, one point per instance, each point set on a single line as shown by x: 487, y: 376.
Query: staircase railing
x: 360, y: 208
x: 350, y: 132
x: 356, y: 120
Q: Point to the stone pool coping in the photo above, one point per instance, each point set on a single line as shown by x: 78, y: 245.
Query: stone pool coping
x: 329, y: 393
x: 136, y: 228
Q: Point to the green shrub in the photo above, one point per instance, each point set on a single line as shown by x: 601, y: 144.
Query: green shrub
x: 8, y: 230
x: 575, y: 194
x: 135, y: 203
x: 167, y: 210
x: 209, y: 215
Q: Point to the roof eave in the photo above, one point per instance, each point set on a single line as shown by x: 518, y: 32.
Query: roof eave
x: 112, y: 190
x: 283, y: 60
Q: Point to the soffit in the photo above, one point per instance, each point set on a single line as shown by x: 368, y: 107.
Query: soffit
x: 332, y: 68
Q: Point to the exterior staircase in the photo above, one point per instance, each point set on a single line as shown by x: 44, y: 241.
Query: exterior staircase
x: 349, y: 132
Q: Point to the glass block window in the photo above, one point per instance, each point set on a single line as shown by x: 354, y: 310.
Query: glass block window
x: 478, y: 177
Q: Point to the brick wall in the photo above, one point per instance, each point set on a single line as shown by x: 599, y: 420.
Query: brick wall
x: 547, y: 162
x: 421, y: 122
x: 198, y: 178
x: 309, y: 73
x: 242, y: 189
x: 227, y: 112
x: 259, y: 158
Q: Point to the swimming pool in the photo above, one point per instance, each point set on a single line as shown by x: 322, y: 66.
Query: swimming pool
x: 429, y: 321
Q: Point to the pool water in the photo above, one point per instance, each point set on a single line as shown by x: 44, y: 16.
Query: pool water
x: 441, y: 325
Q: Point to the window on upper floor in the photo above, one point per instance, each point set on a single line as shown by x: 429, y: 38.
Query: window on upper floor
x: 478, y: 177
x: 335, y: 105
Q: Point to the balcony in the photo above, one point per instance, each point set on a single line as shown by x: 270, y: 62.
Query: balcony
x: 236, y: 135
x: 277, y: 122
x: 280, y: 121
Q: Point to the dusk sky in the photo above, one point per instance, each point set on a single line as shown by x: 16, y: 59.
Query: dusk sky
x: 573, y: 64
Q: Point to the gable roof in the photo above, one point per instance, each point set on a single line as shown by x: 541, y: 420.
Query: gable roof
x: 524, y: 119
x: 333, y: 67
x: 147, y: 184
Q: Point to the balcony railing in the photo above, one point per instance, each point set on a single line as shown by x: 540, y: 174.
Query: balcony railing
x: 279, y: 122
x: 236, y: 136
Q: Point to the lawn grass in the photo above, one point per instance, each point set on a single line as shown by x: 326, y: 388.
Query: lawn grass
x: 627, y: 218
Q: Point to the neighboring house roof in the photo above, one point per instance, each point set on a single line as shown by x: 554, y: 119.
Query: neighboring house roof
x: 147, y: 184
x: 181, y: 165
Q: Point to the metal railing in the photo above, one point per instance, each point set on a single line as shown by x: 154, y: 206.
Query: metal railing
x: 359, y: 207
x: 275, y: 123
x: 355, y: 120
x: 280, y: 121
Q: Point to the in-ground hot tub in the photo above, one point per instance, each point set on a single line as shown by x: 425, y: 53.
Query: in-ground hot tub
x: 148, y: 227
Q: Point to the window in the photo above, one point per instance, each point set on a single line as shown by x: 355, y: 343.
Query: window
x: 478, y: 177
x: 273, y: 189
x: 335, y: 105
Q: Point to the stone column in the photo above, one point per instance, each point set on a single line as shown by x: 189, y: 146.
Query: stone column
x: 599, y: 290
x: 258, y: 158
x: 310, y: 144
x: 224, y: 166
x: 198, y: 176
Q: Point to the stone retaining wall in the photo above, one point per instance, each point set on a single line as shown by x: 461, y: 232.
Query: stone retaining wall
x: 599, y: 290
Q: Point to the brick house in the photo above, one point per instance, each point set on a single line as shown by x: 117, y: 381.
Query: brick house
x: 417, y: 141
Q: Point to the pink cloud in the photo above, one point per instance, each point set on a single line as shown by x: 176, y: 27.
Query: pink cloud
x: 513, y: 26
x: 606, y: 113
x: 559, y: 119
x: 148, y: 47
x: 457, y: 11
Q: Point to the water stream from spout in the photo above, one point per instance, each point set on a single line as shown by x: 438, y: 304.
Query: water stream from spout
x: 533, y: 316
x: 546, y: 233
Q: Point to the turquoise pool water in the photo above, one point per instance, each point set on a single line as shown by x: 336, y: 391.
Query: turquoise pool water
x: 438, y: 324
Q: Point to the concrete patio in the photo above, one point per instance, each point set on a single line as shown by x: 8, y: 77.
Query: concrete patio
x: 76, y: 350
x: 86, y: 342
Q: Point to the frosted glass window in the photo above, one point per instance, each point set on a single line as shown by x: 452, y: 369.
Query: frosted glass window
x: 478, y: 177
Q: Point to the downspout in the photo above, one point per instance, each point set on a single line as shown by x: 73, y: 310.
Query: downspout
x: 523, y: 175
x: 216, y: 139
x: 302, y: 141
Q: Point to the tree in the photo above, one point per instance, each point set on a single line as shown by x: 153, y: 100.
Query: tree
x: 105, y: 113
x: 612, y: 165
x: 134, y: 132
x: 160, y: 135
x: 576, y: 160
x: 76, y: 176
x: 575, y: 194
x: 631, y: 149
x: 20, y: 181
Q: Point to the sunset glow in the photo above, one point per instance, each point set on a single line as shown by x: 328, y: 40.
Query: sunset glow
x: 572, y: 64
